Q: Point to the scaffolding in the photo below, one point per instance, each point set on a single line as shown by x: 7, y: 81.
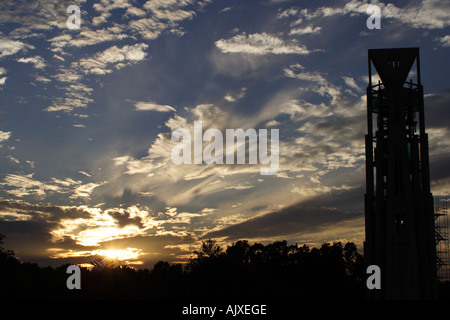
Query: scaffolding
x: 441, y: 236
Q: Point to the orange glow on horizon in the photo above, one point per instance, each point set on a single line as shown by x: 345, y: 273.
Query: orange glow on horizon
x: 119, y: 254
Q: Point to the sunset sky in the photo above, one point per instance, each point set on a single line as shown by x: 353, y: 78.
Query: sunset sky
x: 86, y: 117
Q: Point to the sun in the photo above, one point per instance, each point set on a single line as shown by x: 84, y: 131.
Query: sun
x: 120, y: 254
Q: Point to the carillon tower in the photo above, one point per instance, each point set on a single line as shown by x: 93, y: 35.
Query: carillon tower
x: 399, y: 213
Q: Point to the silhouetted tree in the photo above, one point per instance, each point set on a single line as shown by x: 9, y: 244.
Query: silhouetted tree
x: 239, y: 252
x: 207, y: 258
x: 101, y: 264
x: 257, y: 271
x: 209, y: 249
x: 6, y: 256
x: 354, y: 262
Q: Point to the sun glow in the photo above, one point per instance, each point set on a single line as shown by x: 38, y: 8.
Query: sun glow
x: 98, y: 226
x: 119, y: 254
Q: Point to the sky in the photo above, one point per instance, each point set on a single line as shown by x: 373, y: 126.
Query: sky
x: 87, y: 116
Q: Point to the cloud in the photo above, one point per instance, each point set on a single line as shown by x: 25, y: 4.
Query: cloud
x: 4, y: 136
x: 305, y: 30
x: 287, y: 13
x: 180, y: 184
x: 42, y: 79
x: 39, y: 62
x: 169, y: 10
x: 130, y: 255
x: 427, y: 14
x: 98, y: 226
x: 9, y: 47
x: 272, y: 123
x: 234, y: 97
x: 351, y: 83
x: 133, y: 11
x: 317, y: 151
x: 112, y: 58
x: 150, y: 106
x: 148, y: 28
x: 225, y: 9
x: 85, y: 190
x: 77, y: 234
x: 84, y: 232
x: 80, y: 226
x: 445, y: 41
x: 34, y: 17
x: 2, y: 79
x: 12, y: 159
x: 88, y: 37
x: 121, y: 160
x: 76, y: 94
x: 436, y: 109
x: 437, y: 113
x: 240, y: 187
x: 296, y: 71
x: 316, y: 214
x: 24, y: 185
x: 109, y: 5
x: 260, y: 44
x: 59, y: 107
x: 139, y: 23
x: 31, y: 163
x: 87, y: 174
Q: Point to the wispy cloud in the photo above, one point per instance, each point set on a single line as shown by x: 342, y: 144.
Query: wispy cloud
x: 150, y: 106
x: 24, y: 185
x: 428, y: 14
x: 305, y: 30
x: 233, y: 97
x: 85, y: 190
x: 260, y: 44
x: 349, y: 81
x: 295, y: 71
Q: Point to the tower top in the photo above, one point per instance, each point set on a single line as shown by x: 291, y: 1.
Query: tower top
x: 393, y: 65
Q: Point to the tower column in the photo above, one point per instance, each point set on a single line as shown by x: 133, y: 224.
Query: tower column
x: 398, y: 204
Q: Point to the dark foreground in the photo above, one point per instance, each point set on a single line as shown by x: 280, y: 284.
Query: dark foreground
x: 273, y: 272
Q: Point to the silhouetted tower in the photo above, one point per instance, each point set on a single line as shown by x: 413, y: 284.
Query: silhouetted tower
x: 399, y: 210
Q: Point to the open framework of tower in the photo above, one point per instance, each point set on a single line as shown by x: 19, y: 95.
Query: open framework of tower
x: 399, y: 210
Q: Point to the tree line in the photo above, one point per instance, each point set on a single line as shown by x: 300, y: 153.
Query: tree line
x: 276, y: 271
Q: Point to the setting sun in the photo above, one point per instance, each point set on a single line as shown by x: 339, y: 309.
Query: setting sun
x: 119, y: 254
